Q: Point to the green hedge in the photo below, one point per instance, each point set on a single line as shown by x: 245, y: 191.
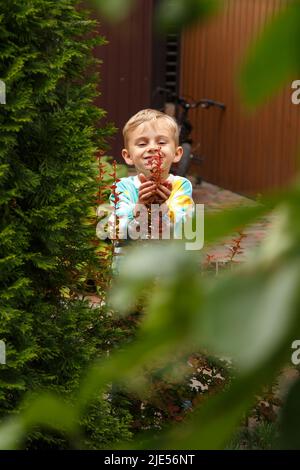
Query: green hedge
x: 49, y: 133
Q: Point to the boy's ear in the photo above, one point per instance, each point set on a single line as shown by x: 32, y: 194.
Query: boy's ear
x: 178, y: 154
x: 127, y: 157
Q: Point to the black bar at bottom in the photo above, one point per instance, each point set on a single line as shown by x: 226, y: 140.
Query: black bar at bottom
x: 149, y: 458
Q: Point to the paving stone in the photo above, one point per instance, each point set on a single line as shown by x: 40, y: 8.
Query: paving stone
x: 216, y: 199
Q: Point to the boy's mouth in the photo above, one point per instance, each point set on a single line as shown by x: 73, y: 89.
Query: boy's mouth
x: 150, y: 161
x: 151, y: 157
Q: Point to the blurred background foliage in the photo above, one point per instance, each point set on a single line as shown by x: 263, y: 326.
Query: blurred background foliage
x: 170, y: 15
x: 250, y: 315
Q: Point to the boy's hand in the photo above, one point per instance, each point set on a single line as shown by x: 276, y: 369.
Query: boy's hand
x: 146, y: 190
x: 149, y: 192
x: 164, y: 191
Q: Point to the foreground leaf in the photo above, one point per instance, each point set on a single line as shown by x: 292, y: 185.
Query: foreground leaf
x: 274, y: 58
x: 113, y: 10
x: 173, y: 15
x: 290, y: 434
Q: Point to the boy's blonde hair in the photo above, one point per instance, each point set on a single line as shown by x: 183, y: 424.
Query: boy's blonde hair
x: 146, y: 115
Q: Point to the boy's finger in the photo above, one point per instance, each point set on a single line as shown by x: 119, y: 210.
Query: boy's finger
x: 147, y: 189
x: 165, y: 190
x: 161, y: 194
x: 142, y: 178
x: 147, y: 184
x: 167, y: 184
x: 146, y: 195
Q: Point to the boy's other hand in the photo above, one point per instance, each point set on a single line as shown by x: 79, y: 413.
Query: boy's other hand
x: 151, y: 192
x: 164, y: 191
x: 146, y: 190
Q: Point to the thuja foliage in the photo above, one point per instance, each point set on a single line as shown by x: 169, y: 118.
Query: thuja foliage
x: 49, y: 133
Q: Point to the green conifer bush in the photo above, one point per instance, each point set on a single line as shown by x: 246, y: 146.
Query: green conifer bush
x: 49, y: 133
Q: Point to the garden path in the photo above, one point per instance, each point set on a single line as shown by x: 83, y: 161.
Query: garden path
x: 216, y: 199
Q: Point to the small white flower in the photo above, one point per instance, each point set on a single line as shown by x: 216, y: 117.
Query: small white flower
x: 195, y: 385
x: 219, y: 376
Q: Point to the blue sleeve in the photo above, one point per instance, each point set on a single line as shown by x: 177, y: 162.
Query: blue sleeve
x: 127, y: 200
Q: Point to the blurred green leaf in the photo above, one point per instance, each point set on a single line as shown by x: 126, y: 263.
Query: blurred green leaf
x: 12, y: 433
x: 212, y: 424
x: 49, y: 410
x: 174, y: 297
x: 113, y: 10
x: 258, y: 304
x: 289, y: 426
x: 142, y: 265
x: 247, y: 316
x: 220, y: 224
x: 230, y: 220
x: 173, y: 15
x: 274, y: 58
x: 250, y: 315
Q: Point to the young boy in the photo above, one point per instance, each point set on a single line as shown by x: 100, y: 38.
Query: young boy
x: 147, y: 134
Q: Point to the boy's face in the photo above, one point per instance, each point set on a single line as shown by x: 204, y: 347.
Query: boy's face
x: 143, y: 143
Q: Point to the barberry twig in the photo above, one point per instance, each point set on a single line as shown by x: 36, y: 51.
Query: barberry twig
x: 156, y: 162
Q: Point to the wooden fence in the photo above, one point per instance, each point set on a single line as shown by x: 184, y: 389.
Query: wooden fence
x: 126, y: 72
x: 245, y: 153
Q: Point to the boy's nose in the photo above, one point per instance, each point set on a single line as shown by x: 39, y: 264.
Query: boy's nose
x: 152, y: 148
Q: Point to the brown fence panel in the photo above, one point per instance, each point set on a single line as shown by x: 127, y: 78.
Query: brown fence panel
x: 126, y: 70
x: 244, y: 152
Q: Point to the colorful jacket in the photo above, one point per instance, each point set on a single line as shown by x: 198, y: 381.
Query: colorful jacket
x: 180, y: 203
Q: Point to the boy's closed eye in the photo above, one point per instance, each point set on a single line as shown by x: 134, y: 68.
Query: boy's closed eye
x: 142, y: 144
